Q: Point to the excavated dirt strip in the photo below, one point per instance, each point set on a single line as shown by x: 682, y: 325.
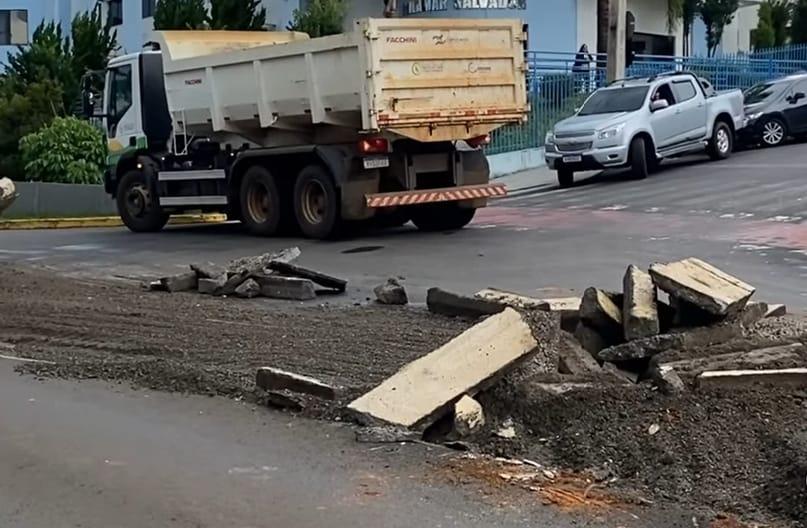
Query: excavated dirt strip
x: 189, y: 342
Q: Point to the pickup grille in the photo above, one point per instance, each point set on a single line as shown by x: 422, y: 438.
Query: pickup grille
x: 577, y: 134
x: 578, y: 146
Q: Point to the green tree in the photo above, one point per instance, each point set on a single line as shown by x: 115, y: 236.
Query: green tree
x: 320, y: 18
x: 68, y: 150
x: 180, y: 14
x: 763, y: 36
x: 780, y: 18
x: 93, y: 43
x: 798, y: 24
x: 716, y: 15
x: 247, y: 15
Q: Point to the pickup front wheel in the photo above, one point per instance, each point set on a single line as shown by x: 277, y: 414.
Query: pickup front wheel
x: 565, y: 177
x: 722, y: 142
x: 638, y: 159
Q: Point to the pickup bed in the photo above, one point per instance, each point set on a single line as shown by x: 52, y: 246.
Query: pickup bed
x: 638, y: 122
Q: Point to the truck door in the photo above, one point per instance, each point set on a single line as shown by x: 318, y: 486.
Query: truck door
x: 690, y: 111
x: 122, y: 108
x: 663, y: 122
x: 795, y: 107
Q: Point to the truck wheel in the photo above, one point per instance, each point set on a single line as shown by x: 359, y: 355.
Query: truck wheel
x: 316, y: 203
x: 638, y: 159
x: 441, y: 216
x: 260, y: 201
x: 136, y: 206
x: 722, y: 142
x: 565, y: 177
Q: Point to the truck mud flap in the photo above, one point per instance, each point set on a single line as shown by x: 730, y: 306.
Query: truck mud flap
x: 448, y: 194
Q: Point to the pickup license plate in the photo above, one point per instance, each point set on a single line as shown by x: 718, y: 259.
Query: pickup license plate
x: 572, y: 159
x: 376, y: 163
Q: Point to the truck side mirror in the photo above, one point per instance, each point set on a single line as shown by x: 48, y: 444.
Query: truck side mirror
x: 658, y: 104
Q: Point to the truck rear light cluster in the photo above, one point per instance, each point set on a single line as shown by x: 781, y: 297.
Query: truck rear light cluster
x: 373, y: 146
x: 478, y: 141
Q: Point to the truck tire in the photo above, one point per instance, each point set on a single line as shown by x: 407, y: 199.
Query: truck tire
x: 136, y: 206
x: 565, y: 177
x: 316, y: 203
x: 260, y: 201
x: 638, y: 159
x: 441, y: 216
x: 722, y: 142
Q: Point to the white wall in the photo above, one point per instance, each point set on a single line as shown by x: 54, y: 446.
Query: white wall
x: 651, y: 17
x: 737, y: 35
x: 586, y: 24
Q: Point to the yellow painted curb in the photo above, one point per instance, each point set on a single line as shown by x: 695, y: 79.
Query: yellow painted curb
x: 101, y: 221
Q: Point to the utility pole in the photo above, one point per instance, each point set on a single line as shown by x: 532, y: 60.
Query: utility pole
x: 615, y: 67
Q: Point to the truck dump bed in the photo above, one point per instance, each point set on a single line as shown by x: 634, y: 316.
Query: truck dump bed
x: 425, y: 79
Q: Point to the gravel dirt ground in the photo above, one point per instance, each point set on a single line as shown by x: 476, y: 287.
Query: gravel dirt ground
x: 186, y: 342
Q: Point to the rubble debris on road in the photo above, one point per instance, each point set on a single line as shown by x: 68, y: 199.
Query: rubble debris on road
x: 768, y: 357
x: 668, y: 381
x: 640, y: 308
x: 574, y: 359
x: 8, y: 193
x: 776, y: 310
x: 391, y: 292
x: 273, y: 379
x: 468, y: 416
x: 703, y: 285
x: 515, y: 300
x: 599, y: 311
x: 792, y: 377
x: 454, y: 305
x: 386, y: 434
x: 424, y: 388
x: 268, y: 275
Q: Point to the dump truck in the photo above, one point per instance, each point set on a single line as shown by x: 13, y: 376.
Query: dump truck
x: 289, y: 133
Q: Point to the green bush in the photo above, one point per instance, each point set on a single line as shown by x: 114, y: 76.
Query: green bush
x: 69, y: 150
x: 320, y: 18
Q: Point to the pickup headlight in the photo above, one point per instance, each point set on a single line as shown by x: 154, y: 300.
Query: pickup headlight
x: 612, y: 132
x: 550, y: 138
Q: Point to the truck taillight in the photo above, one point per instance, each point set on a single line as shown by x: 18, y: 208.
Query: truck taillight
x: 478, y: 141
x: 374, y: 146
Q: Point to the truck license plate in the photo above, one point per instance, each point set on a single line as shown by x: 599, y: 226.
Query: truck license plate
x: 376, y: 163
x: 572, y: 159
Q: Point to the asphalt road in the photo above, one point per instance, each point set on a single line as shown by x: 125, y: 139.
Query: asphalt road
x: 745, y: 214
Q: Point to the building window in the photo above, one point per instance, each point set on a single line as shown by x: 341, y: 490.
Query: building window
x: 115, y: 14
x: 148, y: 8
x: 13, y: 26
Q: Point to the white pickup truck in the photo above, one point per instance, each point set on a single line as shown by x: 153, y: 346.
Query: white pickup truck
x: 637, y: 122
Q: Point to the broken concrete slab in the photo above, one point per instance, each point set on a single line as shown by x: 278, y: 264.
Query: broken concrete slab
x: 743, y: 379
x: 292, y: 288
x: 752, y: 313
x: 391, y: 292
x: 767, y: 357
x: 686, y: 314
x: 154, y: 285
x: 290, y: 270
x: 621, y: 373
x: 207, y: 271
x: 776, y: 310
x: 516, y: 300
x: 640, y: 311
x: 668, y: 381
x: 234, y: 280
x: 257, y: 264
x: 454, y: 305
x: 589, y: 339
x: 283, y: 401
x: 248, y: 289
x: 574, y: 359
x: 468, y: 416
x: 703, y: 285
x: 563, y: 387
x: 598, y: 310
x: 211, y: 286
x: 270, y: 378
x: 472, y: 361
x: 386, y: 434
x: 182, y: 282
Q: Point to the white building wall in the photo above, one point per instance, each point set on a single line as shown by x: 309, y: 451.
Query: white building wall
x: 587, y: 24
x: 651, y: 17
x: 737, y: 35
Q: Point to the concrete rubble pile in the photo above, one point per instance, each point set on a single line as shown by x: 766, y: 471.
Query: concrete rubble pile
x: 269, y: 275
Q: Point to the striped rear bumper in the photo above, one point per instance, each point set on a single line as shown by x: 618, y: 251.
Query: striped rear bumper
x: 449, y: 194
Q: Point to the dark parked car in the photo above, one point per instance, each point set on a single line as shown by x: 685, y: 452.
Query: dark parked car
x: 776, y: 110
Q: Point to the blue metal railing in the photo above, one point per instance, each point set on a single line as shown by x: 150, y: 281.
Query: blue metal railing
x: 559, y: 82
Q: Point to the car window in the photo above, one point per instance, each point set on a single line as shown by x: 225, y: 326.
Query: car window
x: 683, y: 90
x: 614, y: 100
x: 764, y: 92
x: 120, y: 95
x: 663, y: 91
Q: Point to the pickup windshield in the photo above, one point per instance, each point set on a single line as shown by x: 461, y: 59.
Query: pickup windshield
x: 611, y: 101
x: 763, y: 91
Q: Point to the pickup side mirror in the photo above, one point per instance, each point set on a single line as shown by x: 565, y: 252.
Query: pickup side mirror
x: 658, y: 104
